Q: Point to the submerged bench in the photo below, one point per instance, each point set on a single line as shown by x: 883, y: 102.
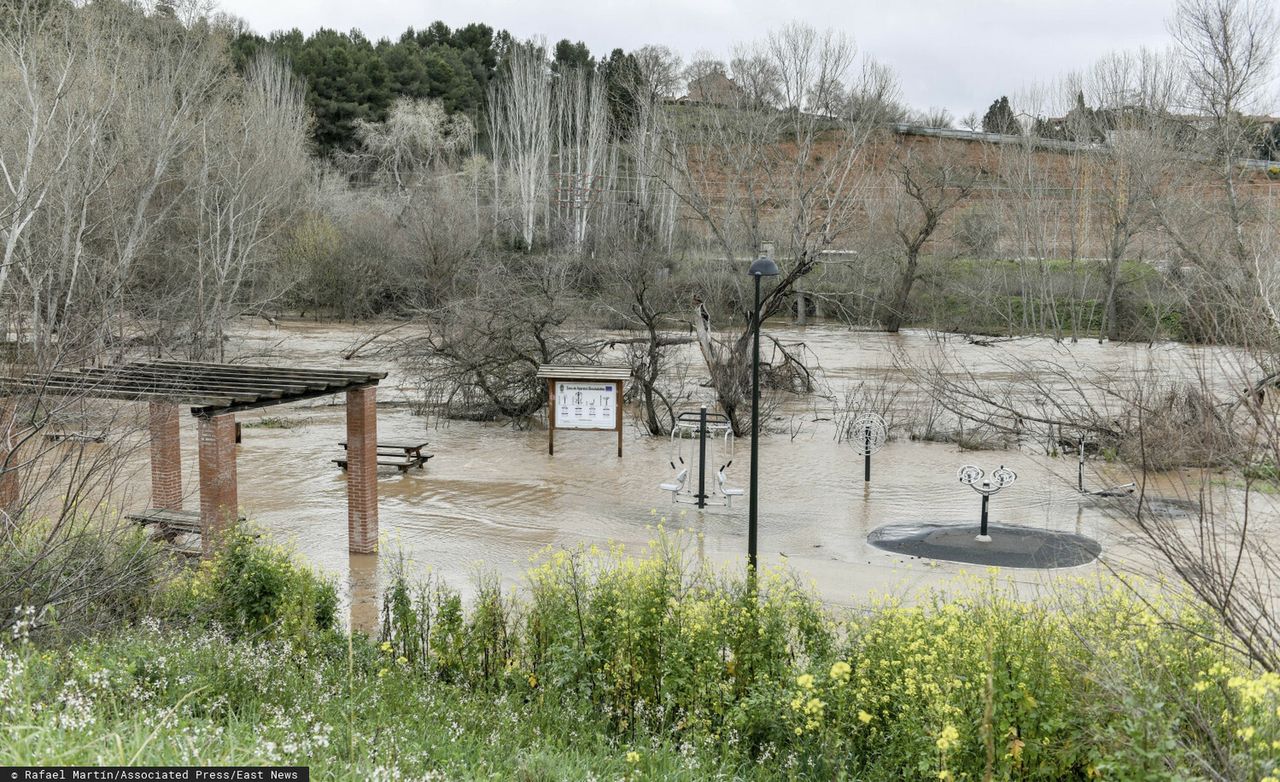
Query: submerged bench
x: 172, y: 521
x: 170, y: 524
x: 75, y: 437
x: 401, y: 463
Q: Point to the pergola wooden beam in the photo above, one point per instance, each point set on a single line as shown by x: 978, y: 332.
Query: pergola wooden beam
x: 257, y: 370
x: 15, y: 386
x: 114, y: 381
x: 166, y: 378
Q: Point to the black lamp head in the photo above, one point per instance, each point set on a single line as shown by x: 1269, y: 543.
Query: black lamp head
x: 763, y: 267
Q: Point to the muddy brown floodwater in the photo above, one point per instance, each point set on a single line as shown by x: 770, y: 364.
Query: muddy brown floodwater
x: 492, y: 497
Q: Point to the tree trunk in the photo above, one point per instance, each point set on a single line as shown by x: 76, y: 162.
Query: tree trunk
x: 896, y: 314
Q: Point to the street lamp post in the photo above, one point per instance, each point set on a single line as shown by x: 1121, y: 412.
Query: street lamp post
x: 760, y: 267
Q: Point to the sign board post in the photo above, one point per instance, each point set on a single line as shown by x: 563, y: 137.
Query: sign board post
x: 584, y: 397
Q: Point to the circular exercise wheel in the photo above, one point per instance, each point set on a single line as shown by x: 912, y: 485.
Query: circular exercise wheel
x: 971, y: 475
x: 867, y: 433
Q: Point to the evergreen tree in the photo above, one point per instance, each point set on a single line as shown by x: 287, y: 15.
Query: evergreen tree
x: 999, y: 118
x: 621, y: 74
x: 349, y: 78
x: 572, y: 55
x: 478, y: 39
x: 1083, y: 123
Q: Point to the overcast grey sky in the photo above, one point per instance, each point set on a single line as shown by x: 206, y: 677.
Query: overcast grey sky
x: 955, y: 53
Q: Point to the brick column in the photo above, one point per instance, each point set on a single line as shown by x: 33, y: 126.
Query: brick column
x: 219, y: 504
x: 10, y: 486
x: 166, y: 457
x: 362, y: 470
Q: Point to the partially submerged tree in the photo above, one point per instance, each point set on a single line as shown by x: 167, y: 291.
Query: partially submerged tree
x: 929, y: 184
x: 766, y: 164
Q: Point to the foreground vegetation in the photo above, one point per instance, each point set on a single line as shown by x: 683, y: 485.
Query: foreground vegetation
x: 609, y: 665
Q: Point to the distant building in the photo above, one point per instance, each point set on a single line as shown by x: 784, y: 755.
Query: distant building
x: 713, y: 89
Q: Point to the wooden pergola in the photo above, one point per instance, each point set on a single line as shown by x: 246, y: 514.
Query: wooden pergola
x: 215, y: 393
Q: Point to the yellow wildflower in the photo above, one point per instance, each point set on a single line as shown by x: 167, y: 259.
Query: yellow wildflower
x: 863, y: 717
x: 633, y: 757
x: 805, y: 681
x: 840, y: 672
x: 948, y: 737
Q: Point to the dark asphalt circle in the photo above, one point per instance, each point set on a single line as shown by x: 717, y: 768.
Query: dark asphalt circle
x: 1019, y: 547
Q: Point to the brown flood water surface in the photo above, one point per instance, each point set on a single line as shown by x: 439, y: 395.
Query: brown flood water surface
x: 492, y: 497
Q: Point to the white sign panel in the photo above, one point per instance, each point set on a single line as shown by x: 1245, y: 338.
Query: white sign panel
x: 582, y: 405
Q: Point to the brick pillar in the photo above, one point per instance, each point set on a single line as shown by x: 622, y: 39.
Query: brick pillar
x: 10, y: 486
x: 219, y: 504
x: 166, y: 457
x: 362, y: 470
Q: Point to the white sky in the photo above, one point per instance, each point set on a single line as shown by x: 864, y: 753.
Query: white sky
x: 961, y: 54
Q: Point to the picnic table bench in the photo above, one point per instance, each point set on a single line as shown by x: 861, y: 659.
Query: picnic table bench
x: 170, y: 524
x: 402, y: 455
x: 75, y: 437
x: 168, y: 521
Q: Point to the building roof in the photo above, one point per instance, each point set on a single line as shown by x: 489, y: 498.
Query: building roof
x: 211, y: 389
x: 588, y: 372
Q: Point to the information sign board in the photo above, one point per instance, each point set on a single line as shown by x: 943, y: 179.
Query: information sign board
x: 582, y: 405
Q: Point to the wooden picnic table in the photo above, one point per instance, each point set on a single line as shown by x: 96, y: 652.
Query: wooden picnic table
x: 408, y: 448
x: 404, y: 456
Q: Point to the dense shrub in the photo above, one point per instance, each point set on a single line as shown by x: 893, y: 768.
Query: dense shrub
x: 254, y: 590
x: 77, y: 574
x: 1099, y: 684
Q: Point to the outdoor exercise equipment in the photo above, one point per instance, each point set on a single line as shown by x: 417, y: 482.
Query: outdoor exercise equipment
x: 713, y: 433
x: 1123, y: 490
x: 976, y: 479
x: 867, y: 433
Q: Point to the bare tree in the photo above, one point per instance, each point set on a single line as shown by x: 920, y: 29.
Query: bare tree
x: 659, y: 70
x: 733, y: 169
x: 417, y: 135
x: 478, y: 355
x: 251, y: 178
x: 1226, y: 50
x: 929, y: 184
x: 1133, y: 93
x: 520, y: 111
x: 584, y: 158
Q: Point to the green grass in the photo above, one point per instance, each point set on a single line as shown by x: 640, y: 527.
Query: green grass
x: 185, y: 697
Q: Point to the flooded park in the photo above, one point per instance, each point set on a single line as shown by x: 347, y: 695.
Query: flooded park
x: 492, y: 498
x: 552, y: 394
